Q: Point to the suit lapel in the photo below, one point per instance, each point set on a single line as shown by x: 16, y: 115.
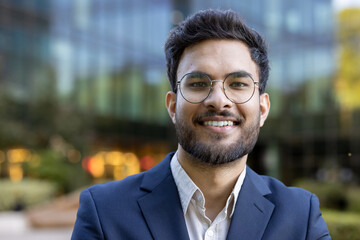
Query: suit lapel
x: 252, y: 211
x: 161, y: 207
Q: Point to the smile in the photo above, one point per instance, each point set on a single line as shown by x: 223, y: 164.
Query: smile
x: 219, y: 123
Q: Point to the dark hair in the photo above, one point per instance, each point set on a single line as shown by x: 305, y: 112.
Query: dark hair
x: 214, y: 24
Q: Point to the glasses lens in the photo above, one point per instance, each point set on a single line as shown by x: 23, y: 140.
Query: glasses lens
x: 239, y: 87
x: 195, y: 87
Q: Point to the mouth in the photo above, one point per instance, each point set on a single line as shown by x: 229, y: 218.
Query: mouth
x: 222, y: 120
x: 219, y: 123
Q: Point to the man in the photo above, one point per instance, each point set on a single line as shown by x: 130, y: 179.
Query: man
x: 218, y: 69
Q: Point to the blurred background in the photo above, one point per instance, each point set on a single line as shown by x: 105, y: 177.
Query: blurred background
x: 82, y: 89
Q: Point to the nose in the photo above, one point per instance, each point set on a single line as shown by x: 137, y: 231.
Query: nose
x: 217, y: 99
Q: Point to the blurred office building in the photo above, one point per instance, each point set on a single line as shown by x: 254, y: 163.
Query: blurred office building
x: 94, y: 73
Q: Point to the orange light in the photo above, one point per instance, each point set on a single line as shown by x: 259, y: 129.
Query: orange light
x: 114, y: 158
x: 84, y: 163
x: 147, y: 162
x: 96, y: 165
x: 15, y: 158
x: 132, y: 164
x: 118, y: 165
x: 15, y: 172
x: 18, y: 155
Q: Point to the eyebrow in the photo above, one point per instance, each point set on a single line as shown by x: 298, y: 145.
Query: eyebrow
x: 242, y: 73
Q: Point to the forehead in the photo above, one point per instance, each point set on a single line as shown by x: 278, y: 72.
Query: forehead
x: 217, y: 58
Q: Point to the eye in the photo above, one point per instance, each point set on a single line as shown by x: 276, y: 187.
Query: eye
x: 239, y: 81
x: 238, y: 84
x: 198, y: 84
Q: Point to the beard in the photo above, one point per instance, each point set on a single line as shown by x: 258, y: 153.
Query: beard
x: 210, y: 152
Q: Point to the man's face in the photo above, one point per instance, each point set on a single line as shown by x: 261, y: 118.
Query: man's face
x: 197, y: 125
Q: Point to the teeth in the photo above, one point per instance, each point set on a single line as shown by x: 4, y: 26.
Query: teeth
x: 219, y: 123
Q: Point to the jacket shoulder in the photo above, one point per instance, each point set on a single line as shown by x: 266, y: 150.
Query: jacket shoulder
x: 291, y: 201
x: 279, y: 188
x: 300, y: 207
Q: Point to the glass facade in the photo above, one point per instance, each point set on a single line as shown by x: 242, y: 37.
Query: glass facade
x: 94, y: 73
x: 109, y: 56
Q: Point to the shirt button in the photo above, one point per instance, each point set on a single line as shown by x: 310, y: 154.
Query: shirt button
x: 210, y: 233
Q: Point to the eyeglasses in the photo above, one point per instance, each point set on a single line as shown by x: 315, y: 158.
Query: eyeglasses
x: 239, y: 87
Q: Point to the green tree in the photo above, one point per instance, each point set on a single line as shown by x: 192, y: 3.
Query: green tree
x: 347, y: 82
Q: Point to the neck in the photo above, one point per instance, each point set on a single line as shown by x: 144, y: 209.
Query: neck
x: 215, y: 181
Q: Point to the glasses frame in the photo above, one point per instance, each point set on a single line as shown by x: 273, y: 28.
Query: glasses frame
x: 223, y: 86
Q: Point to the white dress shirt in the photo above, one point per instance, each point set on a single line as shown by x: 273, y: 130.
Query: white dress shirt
x: 192, y: 200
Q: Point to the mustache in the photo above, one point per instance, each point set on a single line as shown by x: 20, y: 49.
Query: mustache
x: 224, y: 113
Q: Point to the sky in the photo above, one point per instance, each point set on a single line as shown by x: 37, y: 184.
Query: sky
x: 341, y: 4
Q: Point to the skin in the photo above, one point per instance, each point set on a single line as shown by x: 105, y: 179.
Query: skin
x: 217, y: 58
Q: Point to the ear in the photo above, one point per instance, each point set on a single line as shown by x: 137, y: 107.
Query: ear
x: 264, y: 107
x: 171, y: 105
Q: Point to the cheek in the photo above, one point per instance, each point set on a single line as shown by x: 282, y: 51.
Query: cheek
x: 249, y: 107
x: 250, y: 110
x: 185, y: 110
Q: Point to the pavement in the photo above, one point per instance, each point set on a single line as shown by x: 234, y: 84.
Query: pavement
x: 16, y: 226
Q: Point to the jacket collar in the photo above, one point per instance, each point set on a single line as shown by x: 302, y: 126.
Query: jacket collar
x: 161, y: 207
x: 157, y: 174
x: 253, y: 210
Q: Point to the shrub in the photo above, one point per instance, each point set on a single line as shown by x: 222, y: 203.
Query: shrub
x: 342, y: 225
x: 334, y: 195
x: 28, y: 192
x: 56, y: 168
x: 353, y: 195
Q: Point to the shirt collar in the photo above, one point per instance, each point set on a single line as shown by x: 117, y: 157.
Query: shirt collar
x: 186, y: 187
x: 188, y: 190
x: 235, y: 192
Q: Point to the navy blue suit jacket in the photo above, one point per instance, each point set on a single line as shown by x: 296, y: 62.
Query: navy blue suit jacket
x: 147, y: 206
